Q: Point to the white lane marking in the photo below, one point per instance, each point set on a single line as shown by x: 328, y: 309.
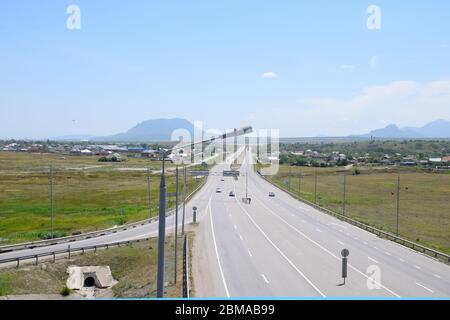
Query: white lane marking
x: 375, y: 248
x: 371, y: 259
x: 365, y: 243
x: 437, y: 276
x: 235, y: 227
x: 401, y: 259
x: 428, y: 289
x: 249, y: 253
x: 341, y: 226
x: 217, y: 251
x: 278, y: 249
x: 388, y: 253
x: 341, y: 243
x: 324, y: 249
x: 240, y: 237
x: 292, y: 215
x: 265, y: 279
x: 318, y: 230
x: 417, y: 267
x: 356, y: 238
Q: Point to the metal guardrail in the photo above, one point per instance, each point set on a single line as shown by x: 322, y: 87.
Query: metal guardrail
x: 89, y: 235
x: 68, y: 251
x: 186, y: 283
x: 407, y: 243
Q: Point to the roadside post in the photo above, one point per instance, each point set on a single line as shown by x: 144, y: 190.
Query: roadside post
x: 345, y: 253
x: 194, y: 221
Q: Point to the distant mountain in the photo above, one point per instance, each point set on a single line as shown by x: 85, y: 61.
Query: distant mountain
x: 157, y: 130
x: 435, y: 129
x: 151, y: 131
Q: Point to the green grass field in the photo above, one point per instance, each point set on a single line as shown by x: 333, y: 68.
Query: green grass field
x: 88, y: 195
x: 371, y: 198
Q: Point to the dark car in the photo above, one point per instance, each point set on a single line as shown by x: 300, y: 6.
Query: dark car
x: 231, y: 194
x: 271, y: 194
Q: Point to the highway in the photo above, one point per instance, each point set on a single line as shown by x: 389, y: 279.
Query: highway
x: 280, y: 247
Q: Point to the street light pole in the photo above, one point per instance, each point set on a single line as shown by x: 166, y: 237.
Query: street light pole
x: 184, y: 198
x: 161, y: 231
x: 176, y: 226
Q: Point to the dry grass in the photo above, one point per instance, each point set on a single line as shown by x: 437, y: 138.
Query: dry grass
x: 133, y: 266
x: 371, y: 198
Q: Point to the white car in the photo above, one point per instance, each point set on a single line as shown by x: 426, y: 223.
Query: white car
x: 219, y: 190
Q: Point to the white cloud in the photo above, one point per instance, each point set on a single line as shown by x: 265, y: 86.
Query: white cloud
x: 270, y: 75
x: 406, y: 103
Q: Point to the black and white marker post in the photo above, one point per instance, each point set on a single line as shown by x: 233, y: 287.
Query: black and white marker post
x: 344, y: 254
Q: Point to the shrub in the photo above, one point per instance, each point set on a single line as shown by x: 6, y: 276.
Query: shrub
x: 65, y: 291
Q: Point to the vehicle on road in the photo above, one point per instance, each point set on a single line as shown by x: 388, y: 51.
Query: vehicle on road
x: 231, y: 194
x: 272, y: 194
x: 218, y: 190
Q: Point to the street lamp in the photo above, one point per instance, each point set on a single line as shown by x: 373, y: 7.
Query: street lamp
x: 162, y: 200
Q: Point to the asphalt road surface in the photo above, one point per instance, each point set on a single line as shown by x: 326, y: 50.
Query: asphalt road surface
x: 280, y: 247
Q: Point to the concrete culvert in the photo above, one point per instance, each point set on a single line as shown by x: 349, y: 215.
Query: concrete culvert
x: 90, y: 277
x: 89, y: 282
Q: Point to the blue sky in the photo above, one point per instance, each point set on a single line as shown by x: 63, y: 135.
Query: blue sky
x: 326, y: 72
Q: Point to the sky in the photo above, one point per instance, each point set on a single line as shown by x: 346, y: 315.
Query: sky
x: 307, y: 68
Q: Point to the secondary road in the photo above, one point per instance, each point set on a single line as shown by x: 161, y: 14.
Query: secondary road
x: 282, y: 247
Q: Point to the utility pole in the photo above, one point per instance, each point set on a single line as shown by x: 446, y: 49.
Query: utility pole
x: 184, y: 198
x: 224, y: 150
x: 300, y: 184
x: 289, y: 179
x: 50, y: 182
x: 345, y: 187
x: 315, y: 185
x: 235, y: 146
x: 176, y: 226
x: 149, y: 194
x: 398, y: 201
x: 257, y: 146
x: 246, y: 185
